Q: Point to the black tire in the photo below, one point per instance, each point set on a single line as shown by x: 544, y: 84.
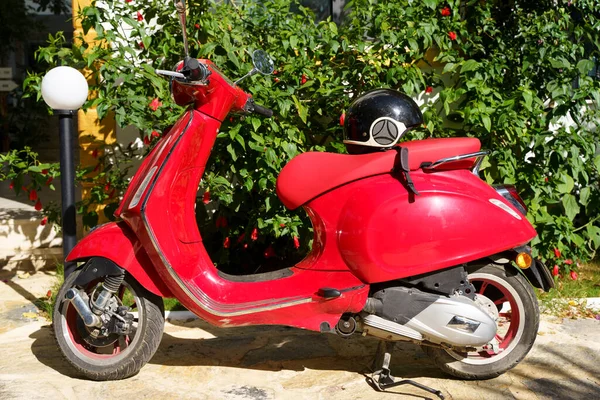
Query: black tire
x: 482, y: 365
x: 92, y: 361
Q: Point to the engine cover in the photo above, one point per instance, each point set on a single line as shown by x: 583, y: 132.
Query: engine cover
x: 456, y: 321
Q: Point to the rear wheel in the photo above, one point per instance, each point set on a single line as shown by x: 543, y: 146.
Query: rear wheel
x: 507, y: 296
x: 109, y: 356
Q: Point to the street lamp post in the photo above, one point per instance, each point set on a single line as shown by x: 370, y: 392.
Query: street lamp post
x: 65, y: 89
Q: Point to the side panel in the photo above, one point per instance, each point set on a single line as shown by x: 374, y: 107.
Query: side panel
x: 117, y: 242
x: 384, y: 233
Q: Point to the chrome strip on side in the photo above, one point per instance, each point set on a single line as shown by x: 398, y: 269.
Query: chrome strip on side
x: 198, y: 295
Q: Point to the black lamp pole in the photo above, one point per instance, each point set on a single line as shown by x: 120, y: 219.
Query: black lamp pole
x: 67, y: 186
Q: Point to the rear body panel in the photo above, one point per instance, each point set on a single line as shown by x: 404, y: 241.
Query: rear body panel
x: 385, y: 233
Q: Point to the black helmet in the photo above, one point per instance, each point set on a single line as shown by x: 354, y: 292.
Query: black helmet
x: 378, y: 119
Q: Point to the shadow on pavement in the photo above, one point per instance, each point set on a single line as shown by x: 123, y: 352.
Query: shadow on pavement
x: 262, y: 348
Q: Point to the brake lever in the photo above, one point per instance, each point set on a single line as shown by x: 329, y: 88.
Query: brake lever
x: 170, y: 73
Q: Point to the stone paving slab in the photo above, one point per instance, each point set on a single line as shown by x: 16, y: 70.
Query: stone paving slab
x: 198, y: 361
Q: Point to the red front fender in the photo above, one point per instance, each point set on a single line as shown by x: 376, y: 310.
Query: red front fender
x: 117, y: 242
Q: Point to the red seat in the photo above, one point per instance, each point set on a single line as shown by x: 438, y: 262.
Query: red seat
x: 314, y: 173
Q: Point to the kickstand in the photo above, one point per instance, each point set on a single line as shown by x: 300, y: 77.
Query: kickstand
x: 384, y: 380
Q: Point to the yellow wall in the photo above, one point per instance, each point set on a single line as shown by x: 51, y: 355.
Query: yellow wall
x: 93, y: 133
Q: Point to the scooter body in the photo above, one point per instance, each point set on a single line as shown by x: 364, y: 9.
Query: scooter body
x: 367, y: 230
x: 409, y: 245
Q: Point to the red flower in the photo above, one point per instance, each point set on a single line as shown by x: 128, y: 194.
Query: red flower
x: 452, y: 35
x: 146, y: 140
x: 141, y: 45
x: 245, y: 246
x: 303, y: 80
x: 276, y: 79
x: 445, y: 12
x: 128, y: 1
x: 254, y: 235
x: 155, y: 134
x: 206, y: 197
x: 557, y: 252
x: 546, y: 179
x: 154, y: 104
x: 95, y: 153
x: 49, y: 293
x: 296, y: 242
x: 44, y: 172
x: 569, y: 261
x: 241, y: 238
x: 107, y: 188
x: 555, y: 270
x: 275, y: 72
x: 44, y: 221
x: 226, y: 243
x: 282, y: 225
x: 140, y: 17
x: 197, y: 26
x: 12, y: 185
x: 49, y: 181
x: 38, y: 205
x: 342, y: 119
x: 33, y: 195
x: 428, y: 89
x: 221, y: 222
x: 574, y: 275
x: 269, y: 252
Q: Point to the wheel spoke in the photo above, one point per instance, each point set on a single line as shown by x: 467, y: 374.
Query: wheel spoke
x: 500, y: 301
x: 484, y: 286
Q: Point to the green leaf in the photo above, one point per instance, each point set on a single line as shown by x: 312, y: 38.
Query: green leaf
x: 255, y: 123
x: 231, y: 151
x: 570, y: 205
x: 430, y: 3
x: 585, y: 66
x: 449, y: 67
x: 584, y: 196
x: 594, y: 234
x: 528, y: 97
x: 487, y: 123
x: 597, y: 163
x: 469, y: 65
x: 565, y: 184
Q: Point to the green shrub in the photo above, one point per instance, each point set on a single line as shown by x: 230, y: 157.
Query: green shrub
x: 502, y: 73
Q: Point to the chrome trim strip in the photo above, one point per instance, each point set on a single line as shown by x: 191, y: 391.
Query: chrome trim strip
x: 479, y: 154
x: 249, y: 308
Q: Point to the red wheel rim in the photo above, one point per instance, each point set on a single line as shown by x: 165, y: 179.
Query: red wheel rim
x: 512, y: 317
x: 73, y: 325
x: 499, y: 292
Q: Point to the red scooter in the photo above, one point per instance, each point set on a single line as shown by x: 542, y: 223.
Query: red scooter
x: 409, y: 245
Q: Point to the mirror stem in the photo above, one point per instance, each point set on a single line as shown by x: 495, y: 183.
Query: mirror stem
x: 249, y: 74
x: 180, y: 7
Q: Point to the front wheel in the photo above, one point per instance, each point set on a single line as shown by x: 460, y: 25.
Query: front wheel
x: 99, y: 355
x: 507, y: 296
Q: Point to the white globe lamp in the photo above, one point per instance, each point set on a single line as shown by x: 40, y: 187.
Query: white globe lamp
x: 65, y: 90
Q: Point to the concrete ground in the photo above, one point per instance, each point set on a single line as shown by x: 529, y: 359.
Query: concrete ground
x: 198, y: 361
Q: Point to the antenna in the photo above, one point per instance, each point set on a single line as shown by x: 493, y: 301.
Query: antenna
x: 180, y: 7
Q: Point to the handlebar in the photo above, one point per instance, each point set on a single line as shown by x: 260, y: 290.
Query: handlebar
x: 192, y: 71
x: 251, y: 106
x: 267, y: 112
